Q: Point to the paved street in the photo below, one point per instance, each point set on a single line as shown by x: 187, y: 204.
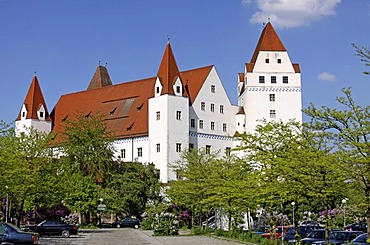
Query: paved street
x: 130, y: 237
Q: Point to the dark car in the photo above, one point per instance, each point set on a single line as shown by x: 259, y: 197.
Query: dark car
x: 53, y: 227
x: 360, y: 240
x: 302, y: 231
x: 341, y: 237
x: 314, y: 237
x: 361, y: 226
x: 127, y: 222
x: 10, y: 234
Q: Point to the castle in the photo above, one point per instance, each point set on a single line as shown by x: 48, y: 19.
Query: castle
x: 154, y: 119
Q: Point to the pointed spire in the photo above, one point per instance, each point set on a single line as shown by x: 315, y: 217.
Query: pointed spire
x: 168, y: 70
x: 34, y: 100
x: 100, y: 79
x: 269, y: 41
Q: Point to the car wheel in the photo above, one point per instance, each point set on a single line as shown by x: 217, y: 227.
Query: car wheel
x: 118, y: 226
x: 65, y: 233
x: 136, y: 226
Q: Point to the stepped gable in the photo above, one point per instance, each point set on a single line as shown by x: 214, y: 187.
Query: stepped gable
x: 269, y: 41
x: 33, y: 101
x: 168, y: 71
x: 100, y: 79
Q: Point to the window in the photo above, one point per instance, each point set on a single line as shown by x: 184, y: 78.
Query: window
x: 158, y: 115
x: 273, y: 79
x: 208, y: 149
x: 178, y: 89
x: 212, y: 125
x: 267, y: 61
x: 221, y: 109
x: 203, y: 106
x: 178, y: 115
x: 139, y: 152
x: 178, y: 147
x: 41, y: 114
x: 272, y: 97
x: 262, y: 79
x: 227, y: 151
x: 213, y: 88
x: 279, y: 61
x: 157, y: 90
x: 285, y: 79
x: 158, y: 147
x: 212, y: 107
x: 200, y: 123
x: 123, y: 153
x: 24, y: 114
x: 272, y: 114
x: 191, y: 146
x: 192, y: 123
x: 224, y: 127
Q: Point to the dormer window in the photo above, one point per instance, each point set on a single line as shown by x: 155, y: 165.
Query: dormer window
x: 24, y: 114
x: 139, y: 107
x: 267, y: 61
x: 41, y: 114
x: 213, y: 88
x: 178, y: 89
x: 279, y: 61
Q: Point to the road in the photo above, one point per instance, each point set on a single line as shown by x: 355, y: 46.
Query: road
x: 128, y: 236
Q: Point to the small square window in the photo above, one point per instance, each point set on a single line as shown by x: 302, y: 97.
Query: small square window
x: 213, y: 88
x: 224, y: 127
x: 272, y: 97
x: 178, y: 147
x: 267, y: 61
x: 273, y: 79
x: 41, y: 114
x: 272, y: 114
x: 285, y: 79
x: 139, y: 152
x: 208, y: 149
x: 212, y: 125
x: 262, y: 79
x: 191, y: 146
x: 178, y: 115
x: 178, y: 89
x: 279, y: 61
x: 157, y: 90
x: 203, y: 106
x: 158, y: 115
x: 201, y: 123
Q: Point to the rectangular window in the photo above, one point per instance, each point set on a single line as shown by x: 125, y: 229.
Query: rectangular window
x: 158, y: 147
x: 267, y: 61
x: 178, y: 89
x: 213, y: 88
x: 139, y: 152
x: 279, y: 61
x: 157, y: 90
x: 123, y: 153
x: 192, y: 123
x: 203, y: 106
x: 201, y: 124
x: 178, y: 115
x: 273, y: 79
x: 224, y: 127
x: 272, y: 114
x: 178, y: 147
x: 221, y: 109
x: 41, y: 114
x: 212, y: 107
x: 158, y: 115
x: 191, y: 146
x: 272, y: 97
x: 208, y: 149
x: 212, y: 125
x: 262, y: 79
x: 227, y: 151
x: 285, y: 79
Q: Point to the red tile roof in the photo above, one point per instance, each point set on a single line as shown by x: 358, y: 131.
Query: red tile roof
x: 100, y: 79
x: 33, y: 101
x: 168, y: 71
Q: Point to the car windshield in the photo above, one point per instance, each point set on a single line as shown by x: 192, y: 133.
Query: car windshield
x: 13, y: 227
x: 361, y: 238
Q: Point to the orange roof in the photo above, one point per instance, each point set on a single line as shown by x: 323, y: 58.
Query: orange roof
x: 33, y: 101
x: 100, y: 79
x: 194, y: 80
x: 168, y: 71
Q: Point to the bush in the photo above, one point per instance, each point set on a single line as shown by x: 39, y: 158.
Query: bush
x: 148, y: 223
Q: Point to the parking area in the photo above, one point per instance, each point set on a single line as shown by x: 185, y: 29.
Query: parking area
x: 129, y: 236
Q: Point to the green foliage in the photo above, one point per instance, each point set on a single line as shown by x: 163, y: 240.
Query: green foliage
x: 364, y: 54
x: 167, y: 225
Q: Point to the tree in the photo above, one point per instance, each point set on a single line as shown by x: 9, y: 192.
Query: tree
x: 364, y: 54
x: 349, y: 131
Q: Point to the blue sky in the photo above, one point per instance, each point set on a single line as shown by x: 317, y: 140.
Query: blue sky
x: 63, y: 41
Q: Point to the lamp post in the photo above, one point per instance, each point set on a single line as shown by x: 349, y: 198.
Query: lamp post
x: 6, y: 204
x: 293, y: 204
x: 344, y: 201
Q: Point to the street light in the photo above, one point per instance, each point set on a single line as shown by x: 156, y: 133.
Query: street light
x: 293, y: 204
x: 6, y: 204
x: 344, y: 201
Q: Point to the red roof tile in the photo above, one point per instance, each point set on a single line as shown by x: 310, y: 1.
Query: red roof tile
x: 168, y: 70
x: 100, y: 79
x: 33, y: 101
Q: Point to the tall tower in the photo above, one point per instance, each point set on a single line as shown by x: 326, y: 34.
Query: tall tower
x: 168, y: 117
x: 270, y: 87
x: 34, y: 113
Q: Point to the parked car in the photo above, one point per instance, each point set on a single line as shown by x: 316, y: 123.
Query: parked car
x: 360, y: 240
x: 53, y: 227
x: 10, y: 234
x: 314, y: 237
x: 302, y: 231
x: 310, y: 223
x: 341, y: 237
x: 361, y: 226
x: 127, y: 222
x: 261, y: 230
x: 278, y: 232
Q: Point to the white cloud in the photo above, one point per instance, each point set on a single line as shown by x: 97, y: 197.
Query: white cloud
x: 292, y: 13
x: 326, y: 76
